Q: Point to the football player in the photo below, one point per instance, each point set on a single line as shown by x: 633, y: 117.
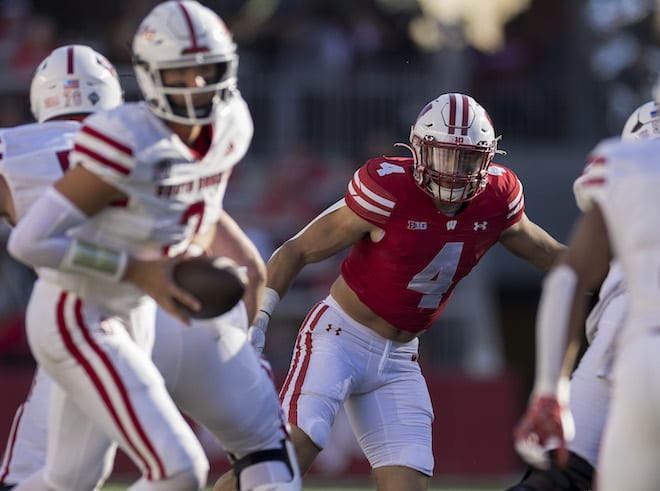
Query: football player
x: 591, y: 382
x: 622, y: 206
x: 147, y: 179
x: 72, y: 82
x: 415, y: 227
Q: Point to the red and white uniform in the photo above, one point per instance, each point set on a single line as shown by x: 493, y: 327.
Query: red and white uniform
x: 243, y: 421
x: 626, y: 192
x: 406, y: 278
x: 423, y: 253
x: 591, y: 383
x: 32, y: 157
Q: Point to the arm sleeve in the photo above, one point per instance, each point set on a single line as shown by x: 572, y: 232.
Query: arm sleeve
x: 40, y: 239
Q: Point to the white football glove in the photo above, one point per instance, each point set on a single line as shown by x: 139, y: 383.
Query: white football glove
x: 257, y: 331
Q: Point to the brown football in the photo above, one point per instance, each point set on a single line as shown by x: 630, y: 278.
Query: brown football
x: 217, y: 282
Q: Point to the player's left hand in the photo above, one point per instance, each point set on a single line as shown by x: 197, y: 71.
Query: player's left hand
x: 547, y: 424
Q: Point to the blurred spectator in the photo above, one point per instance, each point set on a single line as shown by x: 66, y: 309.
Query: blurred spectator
x: 36, y: 40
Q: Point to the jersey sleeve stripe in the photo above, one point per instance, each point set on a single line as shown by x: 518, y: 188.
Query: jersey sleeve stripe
x: 514, y: 203
x: 373, y: 196
x: 517, y: 203
x: 517, y: 209
x: 95, y: 134
x: 357, y: 199
x: 101, y: 159
x: 594, y: 181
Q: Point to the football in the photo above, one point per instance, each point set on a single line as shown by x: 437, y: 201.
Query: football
x: 217, y: 282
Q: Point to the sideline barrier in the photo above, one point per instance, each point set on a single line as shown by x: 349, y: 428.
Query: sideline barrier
x: 474, y: 418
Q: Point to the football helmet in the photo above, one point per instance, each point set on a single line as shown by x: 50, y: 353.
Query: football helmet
x: 453, y: 143
x: 72, y: 80
x: 643, y: 123
x: 181, y: 34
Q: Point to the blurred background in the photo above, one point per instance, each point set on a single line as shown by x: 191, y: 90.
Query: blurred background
x: 331, y: 83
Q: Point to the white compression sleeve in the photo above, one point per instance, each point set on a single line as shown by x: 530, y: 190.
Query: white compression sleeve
x: 41, y: 240
x: 552, y: 325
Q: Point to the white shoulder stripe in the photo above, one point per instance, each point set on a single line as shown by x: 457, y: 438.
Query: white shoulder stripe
x: 515, y: 210
x: 365, y: 204
x: 387, y: 203
x: 515, y: 202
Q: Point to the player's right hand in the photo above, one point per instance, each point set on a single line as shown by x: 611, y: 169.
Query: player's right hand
x: 154, y: 278
x: 257, y: 331
x: 546, y: 424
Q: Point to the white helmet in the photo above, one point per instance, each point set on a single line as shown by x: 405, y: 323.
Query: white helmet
x: 74, y: 80
x: 453, y: 143
x: 643, y: 123
x: 178, y: 34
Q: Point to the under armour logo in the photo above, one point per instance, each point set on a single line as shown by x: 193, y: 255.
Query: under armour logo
x: 479, y: 226
x: 451, y: 224
x: 336, y: 330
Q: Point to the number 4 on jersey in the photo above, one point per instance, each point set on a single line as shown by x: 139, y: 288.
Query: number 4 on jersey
x: 436, y: 278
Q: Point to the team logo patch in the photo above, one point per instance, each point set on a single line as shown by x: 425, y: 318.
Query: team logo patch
x: 451, y: 224
x: 93, y: 98
x: 162, y: 170
x: 415, y: 225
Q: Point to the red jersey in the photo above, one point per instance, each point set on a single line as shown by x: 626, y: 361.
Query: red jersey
x: 408, y: 276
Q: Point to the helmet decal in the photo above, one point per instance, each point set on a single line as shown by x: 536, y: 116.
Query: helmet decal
x: 194, y: 47
x: 464, y: 109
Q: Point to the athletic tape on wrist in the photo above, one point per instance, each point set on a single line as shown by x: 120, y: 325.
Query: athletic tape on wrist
x: 95, y: 260
x: 270, y: 300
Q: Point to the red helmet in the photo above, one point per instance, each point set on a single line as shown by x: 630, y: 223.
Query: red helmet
x: 453, y: 143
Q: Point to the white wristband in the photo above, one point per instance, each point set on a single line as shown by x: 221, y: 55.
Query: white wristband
x: 270, y: 300
x: 552, y: 326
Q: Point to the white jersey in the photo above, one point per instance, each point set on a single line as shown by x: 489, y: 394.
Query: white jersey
x: 32, y: 156
x: 627, y: 194
x: 173, y: 191
x: 585, y: 188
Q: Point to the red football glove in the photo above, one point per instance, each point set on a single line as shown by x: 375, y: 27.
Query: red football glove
x: 546, y: 425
